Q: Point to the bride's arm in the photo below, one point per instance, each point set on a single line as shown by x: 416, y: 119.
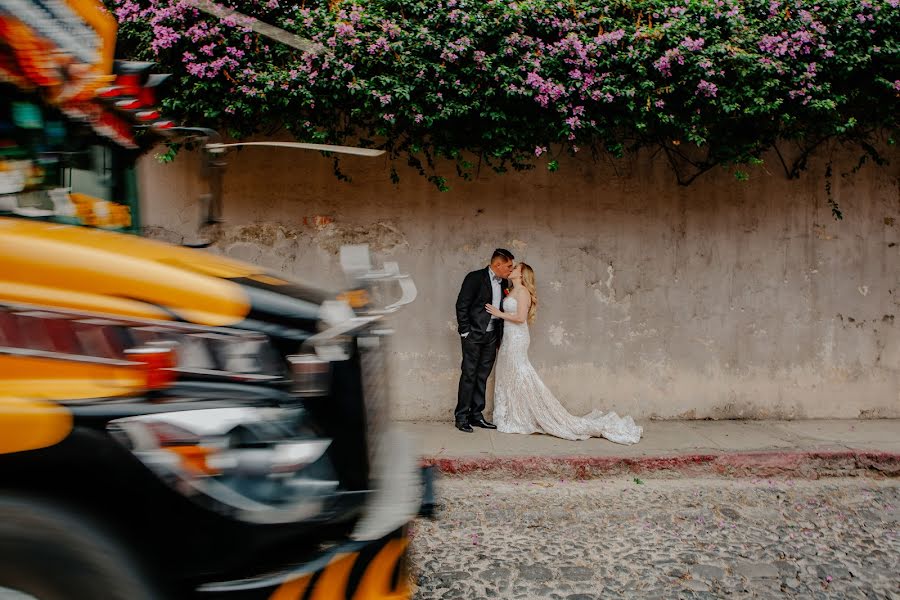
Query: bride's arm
x: 523, y: 303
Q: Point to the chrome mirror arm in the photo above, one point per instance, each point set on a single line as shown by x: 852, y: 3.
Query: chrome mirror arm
x: 356, y: 261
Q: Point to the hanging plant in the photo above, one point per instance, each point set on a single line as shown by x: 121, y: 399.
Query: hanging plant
x: 512, y: 85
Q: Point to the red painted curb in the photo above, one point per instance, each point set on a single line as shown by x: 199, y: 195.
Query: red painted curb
x: 806, y: 465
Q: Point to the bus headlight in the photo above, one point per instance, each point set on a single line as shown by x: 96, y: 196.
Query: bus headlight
x: 253, y: 464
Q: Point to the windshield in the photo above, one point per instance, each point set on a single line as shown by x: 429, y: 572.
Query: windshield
x: 57, y: 169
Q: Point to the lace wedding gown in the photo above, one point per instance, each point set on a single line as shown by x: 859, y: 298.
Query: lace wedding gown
x: 523, y: 404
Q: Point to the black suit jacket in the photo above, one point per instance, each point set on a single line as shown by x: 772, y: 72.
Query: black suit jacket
x: 471, y: 317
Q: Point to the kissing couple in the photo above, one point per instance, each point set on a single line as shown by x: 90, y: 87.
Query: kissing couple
x: 494, y: 308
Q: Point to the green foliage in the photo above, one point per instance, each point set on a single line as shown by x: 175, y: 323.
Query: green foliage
x: 497, y: 83
x: 167, y: 156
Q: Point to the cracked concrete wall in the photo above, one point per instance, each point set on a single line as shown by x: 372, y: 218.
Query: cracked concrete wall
x: 725, y: 299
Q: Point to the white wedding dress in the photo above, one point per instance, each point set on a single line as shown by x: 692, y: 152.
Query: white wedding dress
x: 523, y: 404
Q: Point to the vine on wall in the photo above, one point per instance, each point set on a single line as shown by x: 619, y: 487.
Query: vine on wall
x: 512, y: 85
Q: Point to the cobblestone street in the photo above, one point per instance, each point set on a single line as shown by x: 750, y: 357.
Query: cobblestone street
x: 661, y: 538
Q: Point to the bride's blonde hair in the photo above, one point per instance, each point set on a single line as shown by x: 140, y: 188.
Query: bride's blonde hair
x: 528, y: 283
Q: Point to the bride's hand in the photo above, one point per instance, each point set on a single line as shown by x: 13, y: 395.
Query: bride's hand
x: 493, y: 310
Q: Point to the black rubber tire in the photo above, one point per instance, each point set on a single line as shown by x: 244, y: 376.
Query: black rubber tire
x: 51, y: 553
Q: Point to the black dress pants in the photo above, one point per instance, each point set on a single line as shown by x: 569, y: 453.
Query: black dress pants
x: 478, y: 354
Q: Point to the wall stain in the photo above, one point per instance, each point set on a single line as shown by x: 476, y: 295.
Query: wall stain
x: 821, y: 232
x: 263, y: 234
x: 155, y: 232
x: 609, y: 296
x: 873, y: 413
x: 557, y: 334
x: 382, y: 237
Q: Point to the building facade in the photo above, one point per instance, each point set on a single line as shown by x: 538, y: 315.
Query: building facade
x: 724, y: 299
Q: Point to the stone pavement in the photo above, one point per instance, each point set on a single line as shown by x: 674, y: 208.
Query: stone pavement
x: 625, y: 538
x: 740, y: 448
x: 534, y: 517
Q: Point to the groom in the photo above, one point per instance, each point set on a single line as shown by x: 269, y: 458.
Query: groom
x: 480, y: 333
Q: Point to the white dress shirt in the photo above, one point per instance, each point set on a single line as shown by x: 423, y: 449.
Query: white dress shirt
x: 496, y: 289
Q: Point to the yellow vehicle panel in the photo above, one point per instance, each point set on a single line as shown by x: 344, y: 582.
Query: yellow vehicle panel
x: 332, y: 582
x: 99, y: 271
x: 49, y: 295
x: 54, y: 378
x: 30, y: 424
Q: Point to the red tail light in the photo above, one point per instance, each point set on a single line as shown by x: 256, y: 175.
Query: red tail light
x: 129, y: 104
x: 130, y: 83
x: 158, y: 363
x: 147, y: 115
x: 110, y: 92
x: 147, y: 96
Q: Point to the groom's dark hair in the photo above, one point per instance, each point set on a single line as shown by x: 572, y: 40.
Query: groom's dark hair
x: 502, y: 253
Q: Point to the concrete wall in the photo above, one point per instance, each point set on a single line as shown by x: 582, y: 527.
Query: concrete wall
x: 725, y: 299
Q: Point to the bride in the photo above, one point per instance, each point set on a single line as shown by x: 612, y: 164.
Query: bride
x: 522, y: 403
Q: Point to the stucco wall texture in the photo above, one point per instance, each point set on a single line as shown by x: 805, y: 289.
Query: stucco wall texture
x: 724, y: 299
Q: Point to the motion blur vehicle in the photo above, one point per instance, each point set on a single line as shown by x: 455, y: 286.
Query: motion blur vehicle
x: 173, y: 424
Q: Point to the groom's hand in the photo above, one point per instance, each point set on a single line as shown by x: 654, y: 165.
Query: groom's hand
x: 467, y: 294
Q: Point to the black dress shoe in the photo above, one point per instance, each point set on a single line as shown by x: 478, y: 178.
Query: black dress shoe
x: 482, y: 423
x: 465, y: 427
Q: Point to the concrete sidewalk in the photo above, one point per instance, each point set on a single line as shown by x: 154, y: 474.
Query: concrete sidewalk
x: 722, y: 448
